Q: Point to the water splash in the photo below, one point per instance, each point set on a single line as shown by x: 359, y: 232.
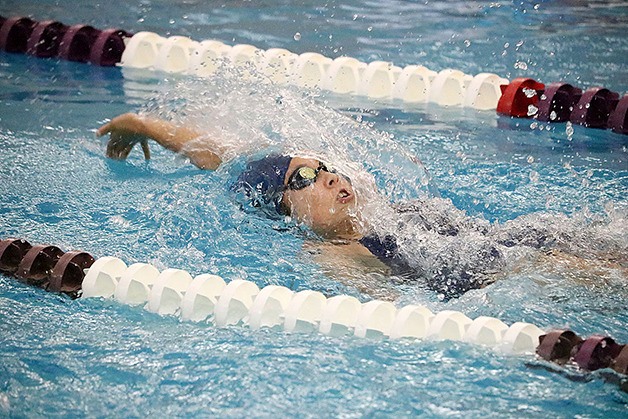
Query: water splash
x: 445, y: 248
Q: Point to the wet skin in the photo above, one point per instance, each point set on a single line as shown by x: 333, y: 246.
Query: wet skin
x: 327, y: 205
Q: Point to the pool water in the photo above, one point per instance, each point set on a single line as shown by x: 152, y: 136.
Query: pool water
x: 99, y: 358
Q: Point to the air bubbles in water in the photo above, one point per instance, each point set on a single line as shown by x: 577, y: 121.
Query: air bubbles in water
x: 530, y: 159
x: 529, y: 92
x: 532, y: 110
x: 297, y: 36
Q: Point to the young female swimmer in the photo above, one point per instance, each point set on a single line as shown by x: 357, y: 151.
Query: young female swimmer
x: 324, y: 200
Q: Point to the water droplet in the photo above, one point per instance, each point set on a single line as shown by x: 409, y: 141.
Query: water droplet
x: 530, y: 159
x: 534, y: 176
x: 532, y: 110
x: 370, y: 28
x: 569, y: 130
x: 553, y: 116
x: 518, y: 44
x: 536, y: 6
x: 529, y: 92
x: 467, y: 43
x: 521, y: 65
x: 171, y: 21
x: 506, y: 45
x: 297, y: 36
x: 355, y: 17
x: 534, y: 124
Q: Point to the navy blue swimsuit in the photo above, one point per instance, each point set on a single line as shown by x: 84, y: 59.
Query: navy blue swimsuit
x: 455, y: 266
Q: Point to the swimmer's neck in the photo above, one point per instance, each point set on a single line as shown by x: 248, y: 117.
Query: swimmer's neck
x: 346, y: 232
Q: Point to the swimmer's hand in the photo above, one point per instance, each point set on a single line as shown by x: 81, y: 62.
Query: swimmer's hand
x: 129, y: 129
x: 125, y: 131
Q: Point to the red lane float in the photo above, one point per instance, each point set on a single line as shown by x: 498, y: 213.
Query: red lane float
x: 37, y: 264
x: 520, y: 98
x: 594, y: 108
x: 597, y: 352
x: 557, y: 102
x: 108, y: 48
x: 44, y: 41
x: 14, y: 34
x: 12, y: 252
x: 48, y: 39
x: 68, y: 273
x: 618, y: 120
x: 77, y: 42
x: 557, y: 346
x: 620, y: 363
x: 44, y: 266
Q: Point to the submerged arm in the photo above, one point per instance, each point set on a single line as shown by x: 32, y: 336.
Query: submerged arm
x: 129, y: 129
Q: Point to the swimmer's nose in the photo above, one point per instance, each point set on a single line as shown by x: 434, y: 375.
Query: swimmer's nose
x: 330, y: 179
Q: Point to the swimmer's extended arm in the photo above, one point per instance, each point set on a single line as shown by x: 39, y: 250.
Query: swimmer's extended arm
x: 129, y: 129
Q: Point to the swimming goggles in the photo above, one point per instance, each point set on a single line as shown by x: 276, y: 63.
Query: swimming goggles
x: 305, y: 176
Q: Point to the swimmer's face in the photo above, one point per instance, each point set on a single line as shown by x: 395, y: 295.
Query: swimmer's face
x: 325, y: 205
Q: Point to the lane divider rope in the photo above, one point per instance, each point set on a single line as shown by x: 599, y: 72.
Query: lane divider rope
x: 208, y: 298
x: 522, y: 97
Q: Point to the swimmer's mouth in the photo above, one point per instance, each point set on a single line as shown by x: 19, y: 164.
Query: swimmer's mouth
x: 344, y: 196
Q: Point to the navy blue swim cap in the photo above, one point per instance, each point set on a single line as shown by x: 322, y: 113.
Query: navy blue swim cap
x: 262, y: 183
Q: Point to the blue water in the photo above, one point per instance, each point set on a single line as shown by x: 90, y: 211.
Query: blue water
x: 97, y: 358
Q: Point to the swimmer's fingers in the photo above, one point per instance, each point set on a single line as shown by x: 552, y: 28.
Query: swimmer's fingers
x: 105, y: 129
x: 126, y: 150
x: 145, y: 149
x: 119, y: 146
x: 112, y: 148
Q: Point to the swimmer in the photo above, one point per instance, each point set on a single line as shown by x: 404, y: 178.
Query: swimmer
x: 452, y: 253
